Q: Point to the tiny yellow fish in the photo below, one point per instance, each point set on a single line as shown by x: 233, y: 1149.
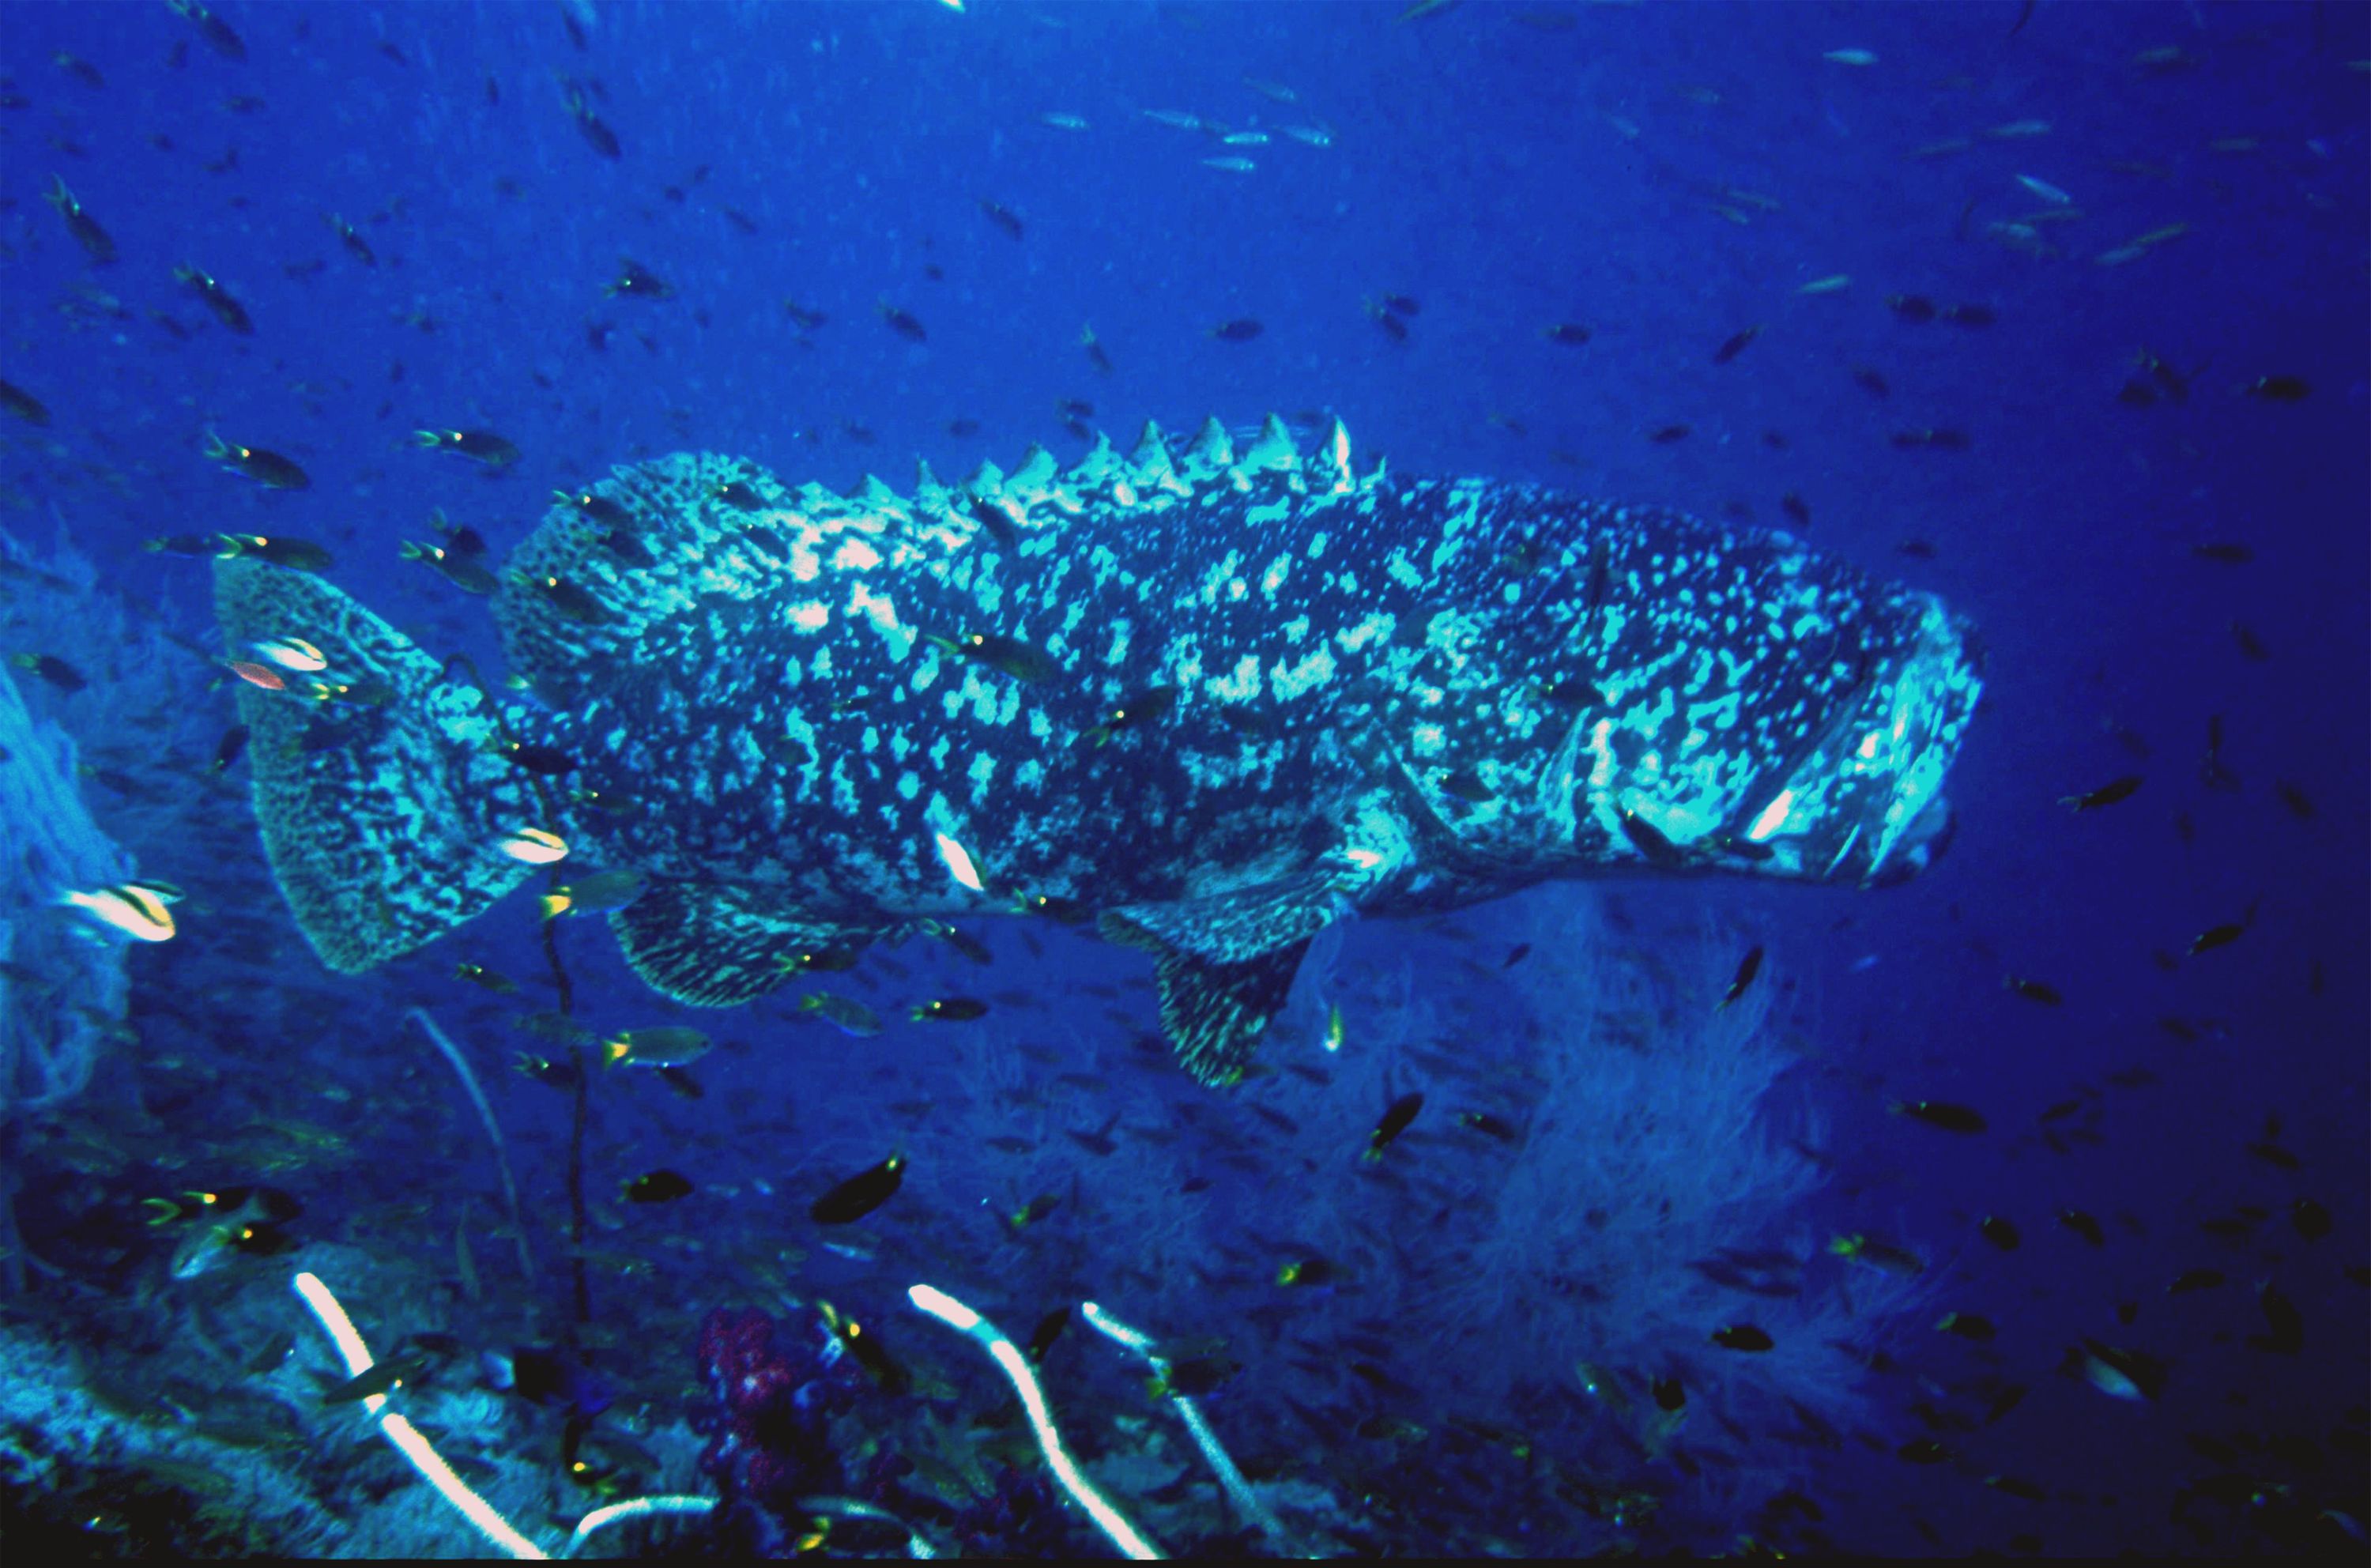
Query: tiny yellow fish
x: 1033, y: 1211
x: 667, y: 1045
x: 465, y: 572
x: 484, y: 446
x: 137, y: 909
x: 292, y: 653
x: 478, y: 974
x: 1307, y: 1271
x: 533, y: 845
x: 1834, y: 282
x: 610, y: 889
x: 1877, y: 1254
x: 1850, y: 56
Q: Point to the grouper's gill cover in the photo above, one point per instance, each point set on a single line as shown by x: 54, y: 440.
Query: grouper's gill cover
x: 1389, y: 695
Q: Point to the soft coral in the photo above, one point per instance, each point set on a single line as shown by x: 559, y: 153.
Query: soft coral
x: 770, y: 1442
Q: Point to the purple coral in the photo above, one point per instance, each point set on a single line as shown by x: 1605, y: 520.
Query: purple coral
x: 770, y: 1442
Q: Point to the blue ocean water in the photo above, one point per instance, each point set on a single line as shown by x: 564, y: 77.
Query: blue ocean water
x: 2055, y: 310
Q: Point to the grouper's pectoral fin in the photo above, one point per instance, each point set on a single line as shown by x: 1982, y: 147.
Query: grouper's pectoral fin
x: 1225, y: 964
x: 716, y: 946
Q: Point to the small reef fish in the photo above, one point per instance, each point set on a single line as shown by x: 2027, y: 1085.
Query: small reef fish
x: 267, y: 468
x: 1940, y: 1114
x: 663, y: 1046
x: 85, y: 229
x: 139, y: 910
x: 1395, y: 1120
x: 533, y: 845
x: 228, y: 310
x: 480, y: 445
x: 1747, y: 968
x: 849, y: 1016
x: 852, y: 1200
x: 2107, y: 794
x: 658, y: 1187
x: 23, y: 404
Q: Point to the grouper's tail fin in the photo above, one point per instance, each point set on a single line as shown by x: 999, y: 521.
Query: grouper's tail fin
x: 377, y: 784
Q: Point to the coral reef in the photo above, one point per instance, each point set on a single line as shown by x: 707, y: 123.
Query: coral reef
x: 94, y: 737
x: 1646, y: 1151
x: 791, y: 1471
x: 1020, y: 1517
x: 1607, y: 1167
x: 63, y: 986
x: 769, y: 1440
x: 217, y: 1439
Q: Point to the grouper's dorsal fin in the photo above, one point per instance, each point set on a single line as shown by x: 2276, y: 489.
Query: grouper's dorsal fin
x: 715, y: 947
x: 1271, y: 450
x: 1214, y: 1013
x: 1150, y: 467
x: 1209, y: 454
x: 1099, y: 469
x: 1226, y: 964
x: 380, y: 792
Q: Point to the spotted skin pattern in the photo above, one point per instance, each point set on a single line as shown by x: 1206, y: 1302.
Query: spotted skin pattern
x: 1364, y: 692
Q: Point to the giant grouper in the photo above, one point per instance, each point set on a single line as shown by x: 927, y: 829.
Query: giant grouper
x: 1210, y: 695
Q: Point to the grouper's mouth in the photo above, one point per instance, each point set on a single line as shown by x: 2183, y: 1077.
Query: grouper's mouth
x: 1867, y: 806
